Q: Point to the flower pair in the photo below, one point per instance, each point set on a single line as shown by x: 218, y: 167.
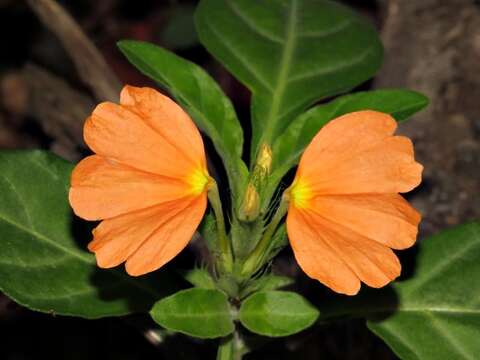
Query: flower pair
x: 148, y: 182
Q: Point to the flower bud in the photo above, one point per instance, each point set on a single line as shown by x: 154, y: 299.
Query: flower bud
x: 251, y: 204
x: 264, y: 159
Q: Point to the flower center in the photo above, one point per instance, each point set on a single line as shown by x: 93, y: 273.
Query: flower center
x: 199, y: 180
x: 300, y: 193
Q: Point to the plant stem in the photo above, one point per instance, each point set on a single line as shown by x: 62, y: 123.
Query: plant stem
x: 223, y: 241
x: 231, y: 347
x: 254, y: 260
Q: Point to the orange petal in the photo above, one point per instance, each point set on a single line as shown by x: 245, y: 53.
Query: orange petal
x: 119, y: 133
x: 386, y: 218
x: 356, y: 153
x: 103, y: 188
x: 166, y: 118
x: 317, y: 258
x: 369, y: 261
x: 170, y: 226
x: 168, y: 240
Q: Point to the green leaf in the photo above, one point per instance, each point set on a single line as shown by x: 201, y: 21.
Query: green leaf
x: 266, y: 282
x: 272, y: 282
x: 438, y: 312
x: 277, y: 313
x: 179, y: 32
x: 200, y: 96
x: 200, y: 278
x: 289, y: 53
x: 435, y: 314
x: 288, y: 148
x: 278, y: 242
x: 202, y: 313
x: 42, y: 264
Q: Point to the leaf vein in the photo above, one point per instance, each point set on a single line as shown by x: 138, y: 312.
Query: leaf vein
x: 247, y: 21
x: 330, y: 31
x: 441, y: 266
x: 333, y: 68
x: 240, y: 58
x: 447, y: 336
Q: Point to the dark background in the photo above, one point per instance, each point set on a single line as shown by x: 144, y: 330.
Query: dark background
x: 432, y: 46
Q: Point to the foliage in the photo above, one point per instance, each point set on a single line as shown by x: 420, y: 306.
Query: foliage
x: 204, y: 313
x: 290, y: 54
x: 43, y: 263
x: 276, y: 313
x: 433, y: 314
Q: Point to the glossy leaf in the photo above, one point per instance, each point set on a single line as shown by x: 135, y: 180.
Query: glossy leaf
x: 43, y: 265
x: 434, y: 314
x: 200, y: 96
x: 288, y: 148
x: 202, y: 313
x: 289, y: 53
x: 277, y: 313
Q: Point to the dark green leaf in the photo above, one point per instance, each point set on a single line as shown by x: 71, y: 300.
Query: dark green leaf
x: 200, y: 96
x: 289, y: 53
x: 196, y: 312
x: 179, y: 32
x: 435, y: 314
x: 289, y: 146
x: 42, y: 264
x: 277, y: 313
x: 438, y: 313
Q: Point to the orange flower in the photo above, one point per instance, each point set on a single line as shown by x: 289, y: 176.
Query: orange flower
x: 148, y: 180
x: 345, y: 214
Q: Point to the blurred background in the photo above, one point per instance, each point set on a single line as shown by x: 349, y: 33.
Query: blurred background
x: 54, y: 69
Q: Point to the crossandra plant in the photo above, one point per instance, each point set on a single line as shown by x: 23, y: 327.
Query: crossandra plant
x: 152, y: 187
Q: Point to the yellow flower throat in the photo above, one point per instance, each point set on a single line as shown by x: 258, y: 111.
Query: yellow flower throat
x: 300, y: 193
x: 198, y: 181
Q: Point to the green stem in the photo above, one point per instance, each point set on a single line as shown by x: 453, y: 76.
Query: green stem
x: 223, y: 241
x: 254, y: 260
x: 226, y: 349
x: 231, y: 347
